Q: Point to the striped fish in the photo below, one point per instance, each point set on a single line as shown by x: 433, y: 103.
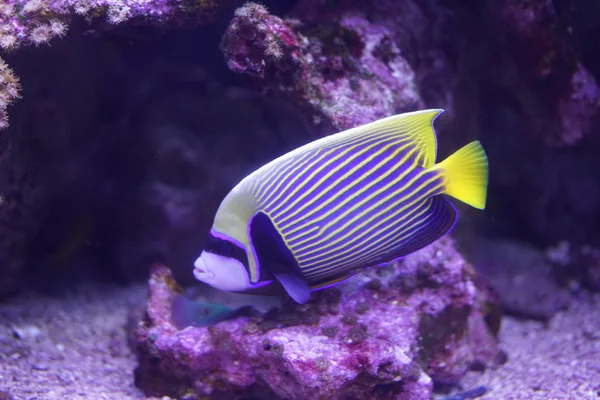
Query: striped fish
x: 318, y: 214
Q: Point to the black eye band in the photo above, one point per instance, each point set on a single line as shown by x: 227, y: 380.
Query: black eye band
x: 225, y: 248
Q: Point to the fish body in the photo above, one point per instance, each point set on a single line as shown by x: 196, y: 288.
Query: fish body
x: 318, y: 214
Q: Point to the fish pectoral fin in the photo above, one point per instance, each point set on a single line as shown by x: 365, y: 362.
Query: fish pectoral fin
x: 292, y: 281
x: 465, y: 175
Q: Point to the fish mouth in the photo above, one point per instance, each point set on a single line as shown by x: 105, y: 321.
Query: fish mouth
x: 201, y: 271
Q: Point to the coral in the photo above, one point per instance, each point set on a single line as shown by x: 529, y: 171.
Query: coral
x: 9, y: 92
x: 325, y: 349
x: 507, y: 72
x: 347, y: 72
x: 38, y: 21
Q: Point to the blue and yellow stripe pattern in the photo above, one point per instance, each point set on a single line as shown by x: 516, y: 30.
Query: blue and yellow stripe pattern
x: 358, y: 198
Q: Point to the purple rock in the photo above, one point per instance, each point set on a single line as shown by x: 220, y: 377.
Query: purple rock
x: 344, y: 73
x: 576, y: 265
x: 520, y: 275
x: 368, y: 338
x: 563, y: 98
x: 5, y: 395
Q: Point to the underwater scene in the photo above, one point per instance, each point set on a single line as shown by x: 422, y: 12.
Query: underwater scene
x: 299, y: 199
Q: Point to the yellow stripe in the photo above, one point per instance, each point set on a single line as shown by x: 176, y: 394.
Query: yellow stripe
x: 360, y: 134
x: 266, y: 182
x: 320, y: 252
x: 293, y: 161
x: 277, y: 199
x: 369, y: 221
x: 400, y: 126
x: 337, y: 181
x: 365, y: 188
x: 361, y: 204
x: 277, y: 177
x: 273, y: 173
x: 340, y: 155
x: 281, y: 172
x: 408, y: 223
x: 340, y: 263
x: 375, y: 251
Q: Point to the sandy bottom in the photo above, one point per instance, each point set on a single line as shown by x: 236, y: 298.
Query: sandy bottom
x: 75, y: 347
x: 556, y: 360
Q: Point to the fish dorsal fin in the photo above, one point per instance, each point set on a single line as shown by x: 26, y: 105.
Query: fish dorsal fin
x: 414, y: 128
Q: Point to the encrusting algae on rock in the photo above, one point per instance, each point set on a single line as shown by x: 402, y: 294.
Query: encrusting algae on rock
x: 374, y: 336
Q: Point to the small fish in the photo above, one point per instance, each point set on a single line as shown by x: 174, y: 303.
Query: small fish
x: 211, y: 306
x: 468, y: 394
x: 186, y: 312
x: 317, y: 215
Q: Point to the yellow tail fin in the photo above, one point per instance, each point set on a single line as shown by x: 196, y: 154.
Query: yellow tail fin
x: 466, y: 175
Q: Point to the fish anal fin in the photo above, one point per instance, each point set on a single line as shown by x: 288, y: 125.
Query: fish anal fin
x: 441, y: 220
x: 334, y: 281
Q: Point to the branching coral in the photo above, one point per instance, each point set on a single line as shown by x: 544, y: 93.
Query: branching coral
x: 29, y: 22
x: 9, y: 91
x: 36, y: 22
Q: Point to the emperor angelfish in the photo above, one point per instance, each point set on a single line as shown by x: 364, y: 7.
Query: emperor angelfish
x: 322, y: 212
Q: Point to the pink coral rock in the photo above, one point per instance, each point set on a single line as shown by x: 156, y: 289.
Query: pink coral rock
x: 343, y: 74
x: 388, y: 333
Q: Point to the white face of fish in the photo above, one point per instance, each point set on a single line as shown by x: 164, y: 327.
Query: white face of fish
x: 223, y: 273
